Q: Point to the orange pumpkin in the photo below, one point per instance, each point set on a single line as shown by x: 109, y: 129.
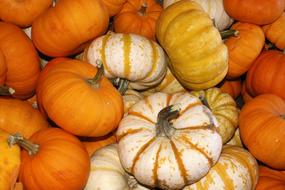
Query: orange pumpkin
x: 138, y: 17
x: 270, y: 179
x: 267, y: 74
x: 19, y: 62
x: 52, y: 159
x: 275, y: 32
x: 66, y: 28
x: 258, y: 12
x: 244, y: 48
x: 77, y: 101
x: 114, y: 6
x: 245, y: 95
x: 232, y: 88
x: 22, y: 13
x: 262, y: 129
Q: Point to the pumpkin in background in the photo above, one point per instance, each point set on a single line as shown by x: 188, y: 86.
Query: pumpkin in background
x: 9, y: 162
x: 258, y: 12
x: 275, y: 32
x: 236, y: 140
x: 132, y: 57
x: 215, y: 10
x: 22, y: 13
x: 114, y: 6
x: 223, y: 107
x: 266, y: 74
x: 60, y: 159
x: 19, y: 116
x: 66, y: 28
x: 76, y: 96
x: 168, y: 141
x: 19, y: 63
x: 236, y: 169
x: 198, y: 56
x: 245, y: 95
x: 270, y: 179
x: 130, y: 98
x: 138, y: 17
x: 108, y: 173
x: 244, y: 48
x: 231, y: 87
x: 262, y: 129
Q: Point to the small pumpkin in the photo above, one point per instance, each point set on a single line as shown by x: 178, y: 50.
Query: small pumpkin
x: 130, y: 98
x: 223, y: 107
x: 197, y: 54
x: 262, y: 129
x: 231, y: 87
x: 114, y: 6
x: 168, y: 141
x: 245, y: 95
x: 270, y: 179
x: 108, y: 173
x: 236, y: 140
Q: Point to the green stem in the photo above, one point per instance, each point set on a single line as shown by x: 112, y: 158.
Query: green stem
x: 204, y: 101
x: 6, y: 91
x: 228, y: 33
x: 95, y: 82
x: 121, y: 85
x: 24, y: 143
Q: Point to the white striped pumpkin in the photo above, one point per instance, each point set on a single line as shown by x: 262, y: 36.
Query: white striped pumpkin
x: 236, y: 169
x: 214, y: 8
x: 169, y: 154
x: 236, y: 140
x: 129, y: 56
x: 107, y: 172
x: 130, y: 98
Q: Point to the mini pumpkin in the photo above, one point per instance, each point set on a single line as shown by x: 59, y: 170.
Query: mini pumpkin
x: 114, y: 6
x: 236, y: 140
x: 270, y: 179
x: 231, y: 87
x: 130, y: 98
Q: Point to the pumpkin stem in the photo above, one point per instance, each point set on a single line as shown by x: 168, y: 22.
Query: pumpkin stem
x: 142, y: 11
x: 204, y: 101
x: 95, y: 82
x: 228, y: 33
x: 24, y: 143
x: 121, y: 84
x: 164, y: 127
x: 132, y: 182
x: 283, y: 116
x: 6, y: 91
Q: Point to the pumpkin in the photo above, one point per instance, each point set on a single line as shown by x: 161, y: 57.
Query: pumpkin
x: 66, y: 28
x: 274, y: 32
x: 235, y: 140
x: 224, y: 109
x: 131, y: 57
x: 270, y: 179
x: 236, y: 169
x: 198, y: 57
x: 245, y: 95
x: 114, y: 6
x: 9, y: 162
x: 22, y: 13
x: 76, y: 96
x: 138, y: 17
x: 244, y: 48
x: 266, y: 74
x: 58, y: 157
x: 108, y: 173
x: 130, y: 98
x: 258, y: 12
x: 20, y: 116
x: 168, y: 141
x: 20, y: 66
x: 215, y: 10
x: 231, y: 87
x: 262, y: 125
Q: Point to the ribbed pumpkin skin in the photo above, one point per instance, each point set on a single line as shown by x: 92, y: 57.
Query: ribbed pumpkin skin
x: 275, y: 32
x: 21, y: 60
x: 231, y: 87
x: 3, y: 68
x: 129, y: 56
x: 266, y: 74
x: 235, y: 140
x: 258, y: 12
x: 10, y: 159
x: 262, y: 129
x: 198, y: 57
x: 130, y: 98
x: 191, y: 148
x: 270, y: 179
x: 236, y: 169
x: 66, y: 28
x: 244, y: 48
x: 22, y: 13
x: 17, y: 116
x: 114, y: 6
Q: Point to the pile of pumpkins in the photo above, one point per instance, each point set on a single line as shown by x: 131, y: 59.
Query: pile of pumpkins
x: 142, y: 94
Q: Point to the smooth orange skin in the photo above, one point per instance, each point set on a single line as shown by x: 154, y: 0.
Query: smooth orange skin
x: 262, y: 129
x: 270, y: 179
x: 114, y: 6
x: 258, y: 12
x: 22, y: 63
x: 130, y: 20
x: 232, y: 88
x: 62, y: 162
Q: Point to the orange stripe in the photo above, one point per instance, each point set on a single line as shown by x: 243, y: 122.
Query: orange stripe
x: 189, y: 107
x: 127, y: 50
x: 154, y: 59
x: 222, y: 172
x: 155, y: 168
x: 140, y: 116
x: 129, y: 132
x: 168, y: 99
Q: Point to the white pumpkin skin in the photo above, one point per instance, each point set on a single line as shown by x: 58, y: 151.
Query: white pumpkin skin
x: 107, y: 173
x: 215, y: 9
x: 131, y: 57
x: 191, y: 148
x: 130, y: 98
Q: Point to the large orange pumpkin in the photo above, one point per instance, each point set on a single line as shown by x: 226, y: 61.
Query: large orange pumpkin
x: 138, y: 17
x: 267, y: 74
x: 258, y: 12
x: 262, y: 129
x: 66, y: 28
x: 270, y: 179
x: 114, y: 6
x: 19, y: 62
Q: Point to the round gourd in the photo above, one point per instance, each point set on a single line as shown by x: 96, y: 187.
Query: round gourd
x: 270, y: 179
x: 246, y: 97
x: 231, y: 87
x: 198, y: 56
x: 236, y: 140
x: 130, y: 98
x: 114, y: 6
x: 169, y: 141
